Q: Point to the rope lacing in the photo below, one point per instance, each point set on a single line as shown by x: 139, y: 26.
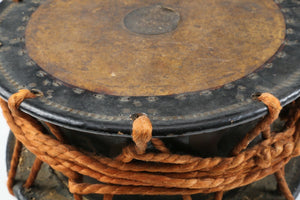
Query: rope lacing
x: 162, y: 173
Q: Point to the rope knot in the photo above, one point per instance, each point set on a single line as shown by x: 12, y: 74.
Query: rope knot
x: 141, y: 132
x: 127, y: 154
x: 264, y: 157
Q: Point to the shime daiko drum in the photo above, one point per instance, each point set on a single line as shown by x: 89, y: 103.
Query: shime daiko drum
x: 203, y: 81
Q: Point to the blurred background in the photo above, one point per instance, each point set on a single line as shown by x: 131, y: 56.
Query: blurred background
x: 4, y: 194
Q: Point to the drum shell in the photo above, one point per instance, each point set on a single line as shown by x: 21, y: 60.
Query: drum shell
x: 210, y: 144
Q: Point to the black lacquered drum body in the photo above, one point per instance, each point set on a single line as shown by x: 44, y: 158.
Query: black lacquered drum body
x: 191, y: 66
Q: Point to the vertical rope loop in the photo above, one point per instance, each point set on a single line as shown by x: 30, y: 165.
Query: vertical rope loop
x: 141, y: 132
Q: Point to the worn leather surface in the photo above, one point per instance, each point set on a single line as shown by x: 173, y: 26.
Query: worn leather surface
x: 92, y: 44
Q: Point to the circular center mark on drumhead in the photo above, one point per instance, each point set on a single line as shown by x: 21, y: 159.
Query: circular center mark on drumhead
x: 152, y: 20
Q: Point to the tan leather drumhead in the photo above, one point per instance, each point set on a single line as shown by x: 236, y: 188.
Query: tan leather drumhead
x: 150, y: 48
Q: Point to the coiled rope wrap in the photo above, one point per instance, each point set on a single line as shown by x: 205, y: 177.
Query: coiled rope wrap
x: 161, y: 173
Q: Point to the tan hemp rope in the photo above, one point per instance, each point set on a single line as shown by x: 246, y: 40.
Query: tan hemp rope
x: 161, y: 173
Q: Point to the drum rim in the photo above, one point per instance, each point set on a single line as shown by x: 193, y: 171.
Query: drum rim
x: 164, y: 126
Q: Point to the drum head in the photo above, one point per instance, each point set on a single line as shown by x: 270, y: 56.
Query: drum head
x: 192, y: 66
